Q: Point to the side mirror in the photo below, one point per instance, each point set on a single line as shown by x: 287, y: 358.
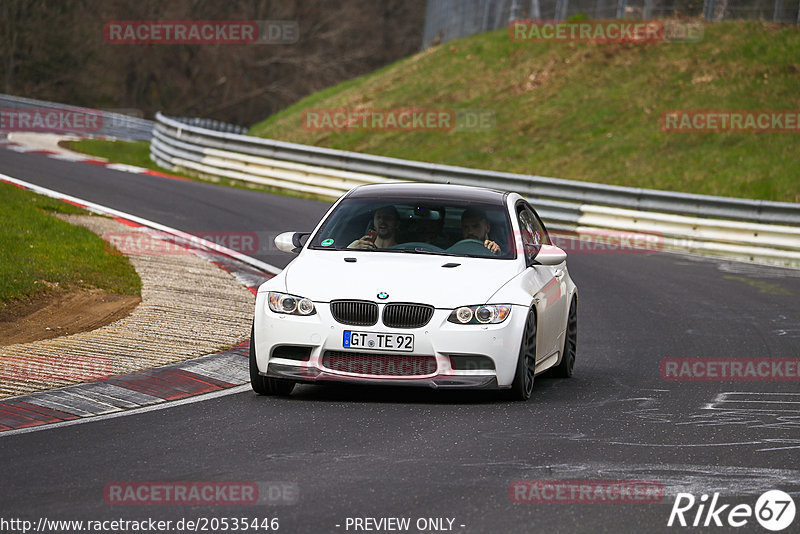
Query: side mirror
x: 290, y: 241
x: 550, y: 255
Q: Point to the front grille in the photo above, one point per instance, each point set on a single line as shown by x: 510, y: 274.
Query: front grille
x: 379, y: 364
x: 355, y: 312
x: 407, y: 315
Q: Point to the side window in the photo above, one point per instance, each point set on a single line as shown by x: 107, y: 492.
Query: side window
x: 543, y: 238
x: 531, y: 235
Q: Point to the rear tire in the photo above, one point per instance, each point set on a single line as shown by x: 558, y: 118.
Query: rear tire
x: 566, y: 368
x: 261, y: 384
x: 522, y: 386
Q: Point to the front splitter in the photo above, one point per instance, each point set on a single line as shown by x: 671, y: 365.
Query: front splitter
x: 312, y: 375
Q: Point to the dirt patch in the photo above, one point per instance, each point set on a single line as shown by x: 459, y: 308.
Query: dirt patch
x: 62, y: 313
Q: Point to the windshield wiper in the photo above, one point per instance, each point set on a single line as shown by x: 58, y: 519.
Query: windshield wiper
x: 407, y: 251
x: 436, y: 252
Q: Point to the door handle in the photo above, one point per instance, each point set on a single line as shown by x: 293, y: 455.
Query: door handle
x: 559, y: 273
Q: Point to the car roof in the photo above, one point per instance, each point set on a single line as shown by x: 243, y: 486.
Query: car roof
x: 430, y: 191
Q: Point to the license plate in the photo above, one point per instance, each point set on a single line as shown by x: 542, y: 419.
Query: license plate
x: 378, y: 341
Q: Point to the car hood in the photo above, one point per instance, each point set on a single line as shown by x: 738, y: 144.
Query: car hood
x: 325, y: 275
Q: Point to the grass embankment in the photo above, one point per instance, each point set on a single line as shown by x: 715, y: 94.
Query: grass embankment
x: 42, y: 253
x: 587, y: 111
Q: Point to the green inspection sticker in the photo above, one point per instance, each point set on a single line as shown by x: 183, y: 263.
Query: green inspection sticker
x: 327, y: 243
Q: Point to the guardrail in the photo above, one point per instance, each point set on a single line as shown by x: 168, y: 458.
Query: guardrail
x: 753, y: 229
x: 112, y: 124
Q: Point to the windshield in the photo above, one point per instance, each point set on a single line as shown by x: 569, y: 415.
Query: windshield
x: 414, y: 226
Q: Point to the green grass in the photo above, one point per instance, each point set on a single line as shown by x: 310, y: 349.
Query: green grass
x: 587, y: 111
x: 128, y: 152
x: 40, y: 251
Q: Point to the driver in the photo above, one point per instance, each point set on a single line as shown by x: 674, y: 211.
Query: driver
x: 386, y: 222
x: 474, y: 225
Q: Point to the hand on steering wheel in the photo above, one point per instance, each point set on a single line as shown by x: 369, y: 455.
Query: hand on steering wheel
x: 493, y: 247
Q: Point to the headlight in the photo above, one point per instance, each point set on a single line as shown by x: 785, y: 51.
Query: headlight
x: 484, y: 314
x: 289, y: 304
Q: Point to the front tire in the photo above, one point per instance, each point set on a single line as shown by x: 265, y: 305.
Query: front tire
x: 566, y: 368
x: 522, y: 386
x: 261, y: 384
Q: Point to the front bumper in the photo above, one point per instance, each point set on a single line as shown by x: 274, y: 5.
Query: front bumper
x: 438, y: 339
x: 315, y: 376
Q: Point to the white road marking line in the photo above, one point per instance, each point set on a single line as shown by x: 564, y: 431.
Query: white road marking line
x: 125, y: 168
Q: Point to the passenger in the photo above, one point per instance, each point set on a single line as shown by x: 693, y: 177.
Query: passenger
x: 475, y: 225
x: 386, y: 222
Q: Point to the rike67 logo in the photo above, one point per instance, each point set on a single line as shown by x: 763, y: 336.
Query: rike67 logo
x: 774, y: 510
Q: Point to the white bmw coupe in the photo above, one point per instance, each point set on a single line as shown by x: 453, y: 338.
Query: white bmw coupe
x: 443, y: 286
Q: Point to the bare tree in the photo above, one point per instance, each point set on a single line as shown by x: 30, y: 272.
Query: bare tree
x: 55, y: 50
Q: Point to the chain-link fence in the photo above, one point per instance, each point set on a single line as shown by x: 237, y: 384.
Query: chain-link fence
x: 450, y: 19
x: 212, y: 124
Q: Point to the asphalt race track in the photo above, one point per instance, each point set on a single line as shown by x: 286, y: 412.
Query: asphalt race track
x: 354, y: 452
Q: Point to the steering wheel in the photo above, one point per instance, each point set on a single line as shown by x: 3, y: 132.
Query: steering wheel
x: 416, y: 244
x: 470, y: 246
x: 468, y: 240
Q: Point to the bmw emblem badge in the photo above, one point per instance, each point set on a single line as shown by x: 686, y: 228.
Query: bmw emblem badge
x: 383, y: 295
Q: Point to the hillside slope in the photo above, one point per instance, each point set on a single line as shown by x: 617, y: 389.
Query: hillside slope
x: 587, y: 111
